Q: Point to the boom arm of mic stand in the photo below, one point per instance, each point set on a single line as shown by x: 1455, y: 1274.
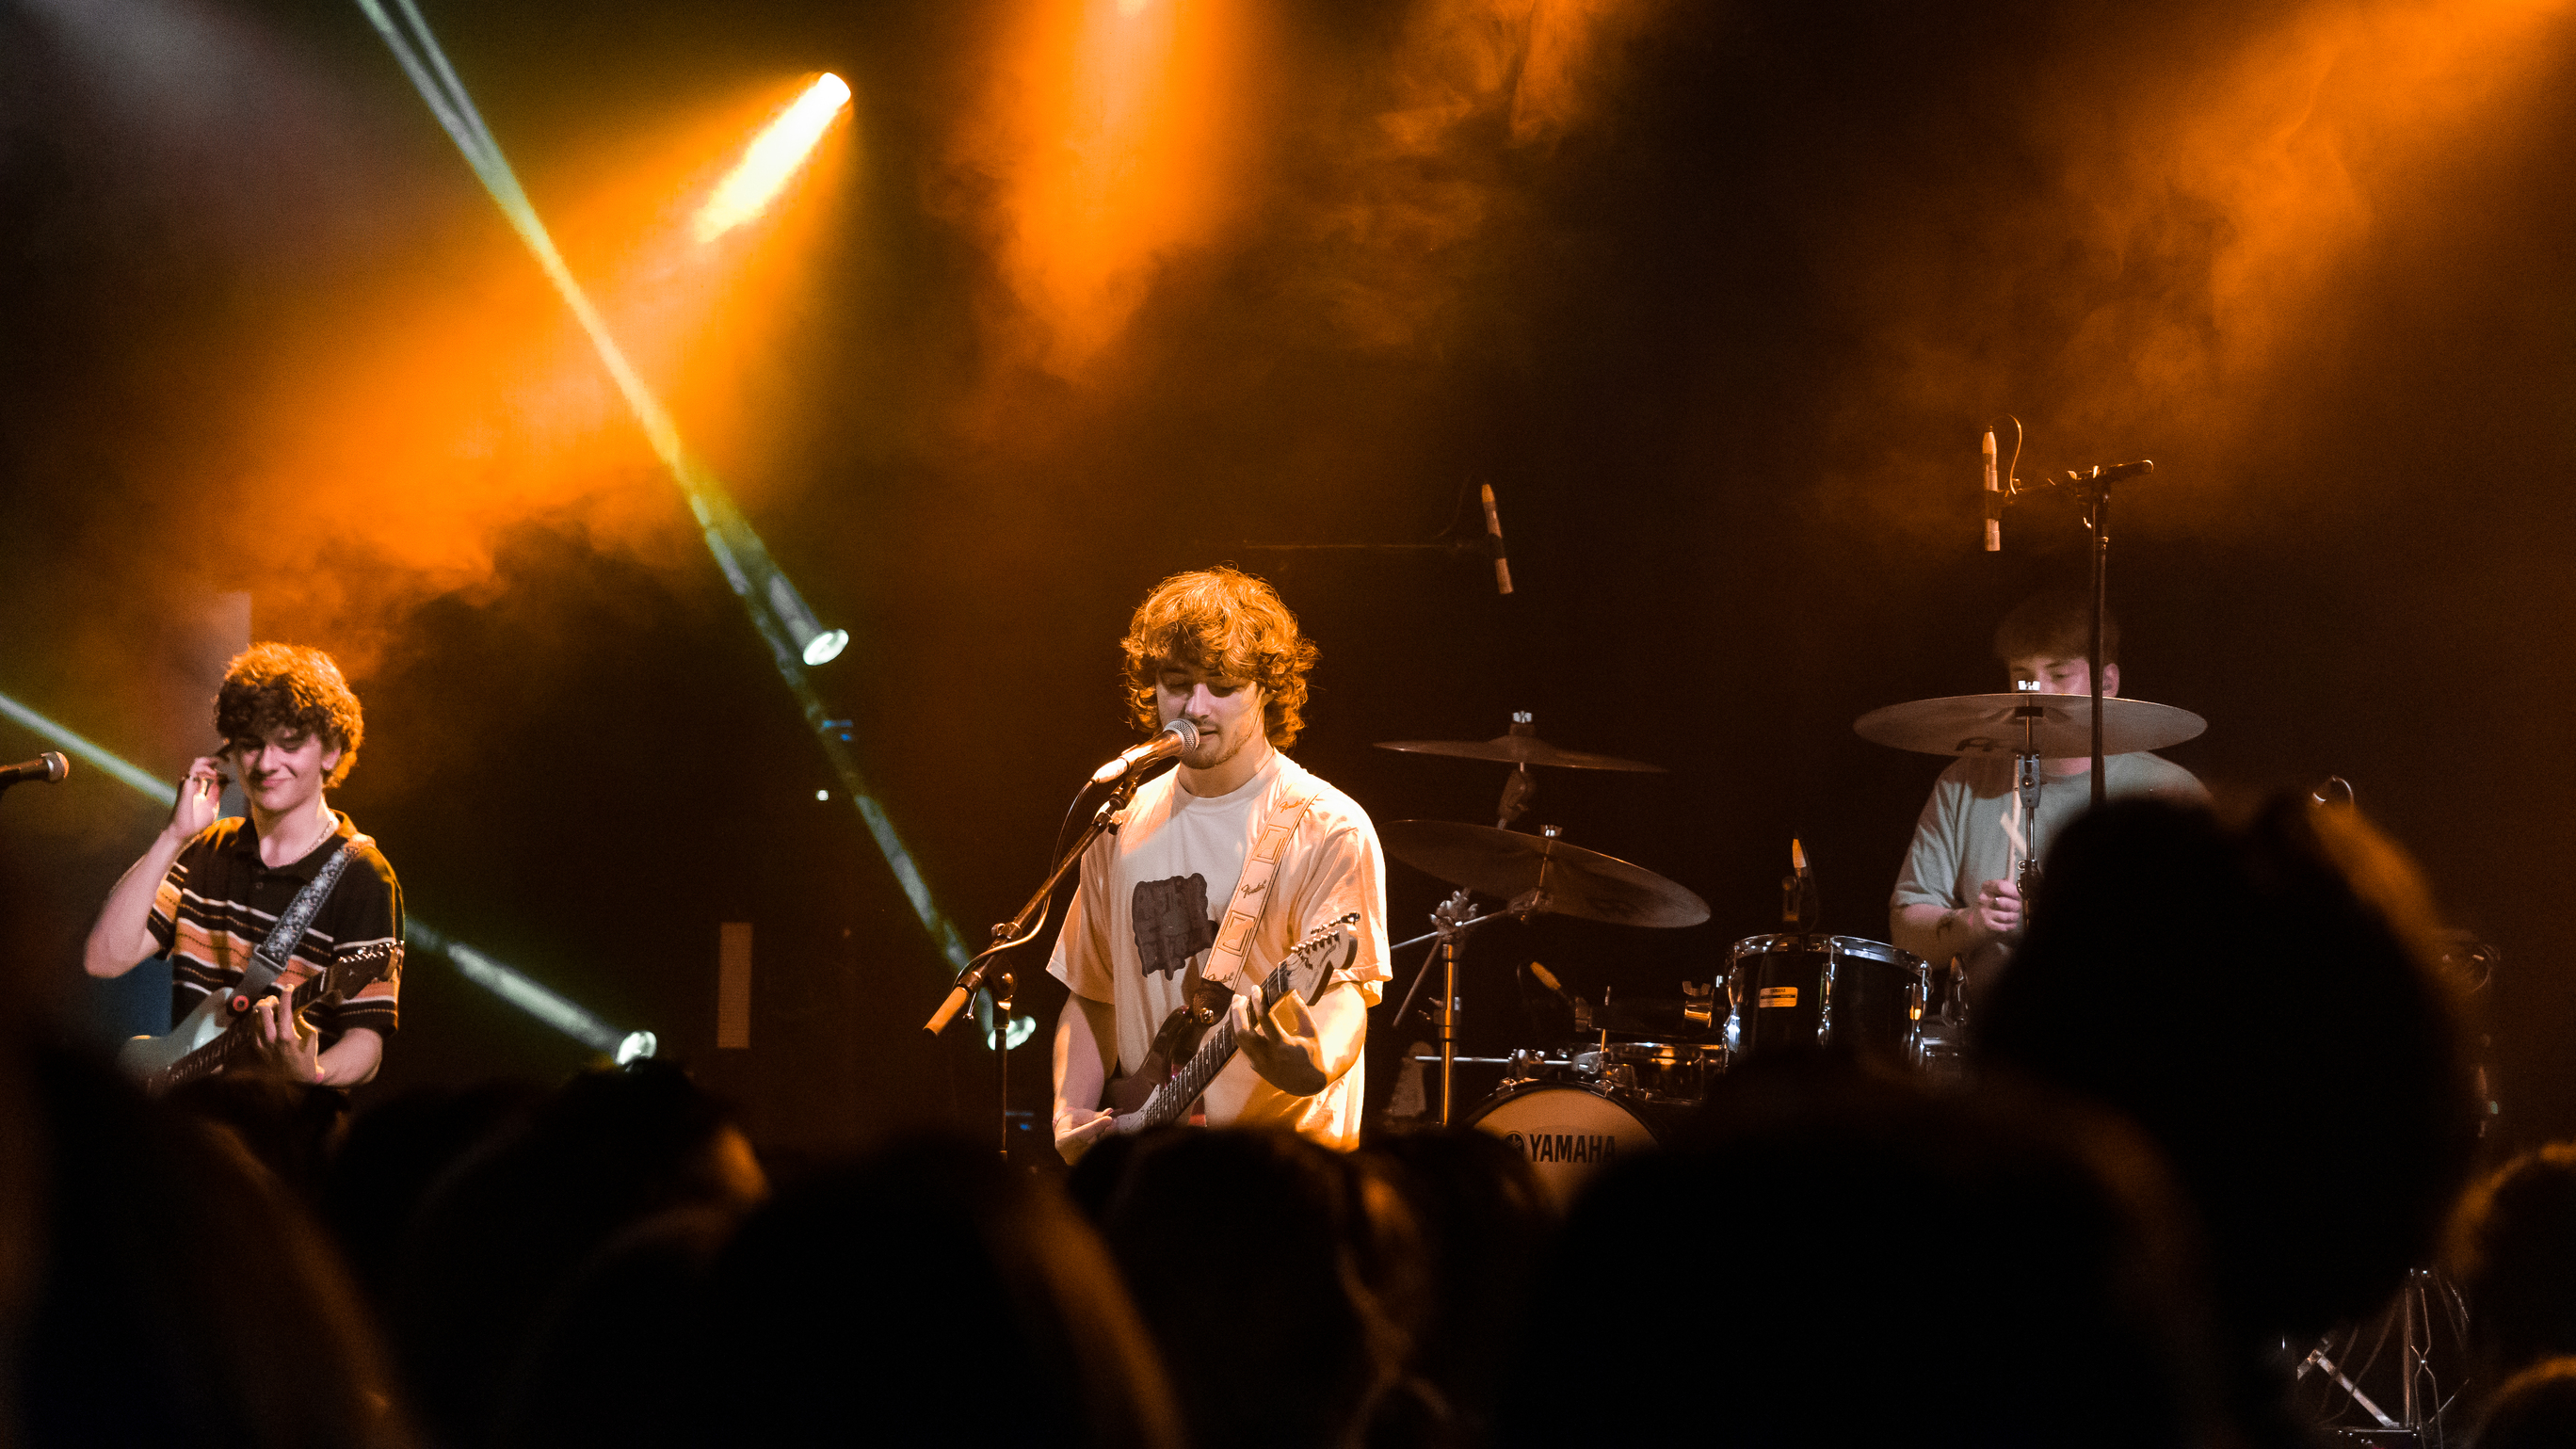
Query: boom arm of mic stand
x: 1032, y: 917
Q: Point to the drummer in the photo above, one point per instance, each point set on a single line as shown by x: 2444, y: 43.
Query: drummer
x: 1957, y: 897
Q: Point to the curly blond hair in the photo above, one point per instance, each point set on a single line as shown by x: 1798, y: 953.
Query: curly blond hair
x: 291, y: 686
x: 1227, y: 625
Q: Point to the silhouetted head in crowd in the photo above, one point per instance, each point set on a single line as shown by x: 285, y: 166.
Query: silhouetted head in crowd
x: 2535, y: 1409
x: 928, y: 1293
x: 615, y: 1361
x: 391, y: 1155
x: 1483, y: 1219
x: 183, y: 1297
x: 2513, y: 1250
x: 1839, y: 1257
x: 2259, y: 999
x: 291, y: 1127
x: 1279, y: 1281
x: 509, y: 1226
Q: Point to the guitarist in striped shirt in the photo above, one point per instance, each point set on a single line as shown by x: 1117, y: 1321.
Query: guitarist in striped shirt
x: 208, y: 891
x: 1214, y: 871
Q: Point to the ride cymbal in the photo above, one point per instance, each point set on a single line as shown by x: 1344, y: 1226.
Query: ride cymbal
x: 2059, y: 726
x: 1519, y: 749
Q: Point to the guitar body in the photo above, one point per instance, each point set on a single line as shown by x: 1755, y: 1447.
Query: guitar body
x: 148, y: 1056
x: 1159, y: 1093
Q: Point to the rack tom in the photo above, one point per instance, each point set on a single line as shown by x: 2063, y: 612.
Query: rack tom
x: 1800, y: 994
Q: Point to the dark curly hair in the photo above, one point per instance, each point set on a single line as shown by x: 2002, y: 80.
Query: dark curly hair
x: 290, y: 686
x: 2057, y: 623
x: 1227, y: 625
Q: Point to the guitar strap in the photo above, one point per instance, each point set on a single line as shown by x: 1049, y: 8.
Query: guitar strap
x: 270, y: 957
x: 1251, y: 898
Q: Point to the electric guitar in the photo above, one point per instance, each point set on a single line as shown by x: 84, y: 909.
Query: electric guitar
x: 215, y: 1034
x: 1150, y: 1098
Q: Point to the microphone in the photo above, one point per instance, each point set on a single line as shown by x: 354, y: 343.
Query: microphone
x: 1797, y: 890
x: 1178, y: 737
x: 1582, y: 1009
x: 2098, y: 473
x: 1994, y: 499
x: 1494, y: 544
x: 46, y: 768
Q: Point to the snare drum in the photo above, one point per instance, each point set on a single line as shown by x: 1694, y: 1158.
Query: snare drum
x: 1802, y: 993
x: 1661, y: 1071
x: 1568, y: 1131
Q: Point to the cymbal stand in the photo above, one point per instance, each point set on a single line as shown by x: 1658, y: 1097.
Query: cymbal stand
x: 1522, y: 783
x: 1450, y: 925
x: 2026, y: 781
x: 2093, y: 486
x: 2097, y: 497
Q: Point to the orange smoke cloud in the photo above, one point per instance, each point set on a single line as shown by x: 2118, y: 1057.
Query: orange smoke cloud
x: 1115, y: 130
x: 2177, y: 279
x: 1420, y: 176
x: 2295, y: 143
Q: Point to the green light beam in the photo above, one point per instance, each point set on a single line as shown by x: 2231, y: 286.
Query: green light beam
x: 786, y: 624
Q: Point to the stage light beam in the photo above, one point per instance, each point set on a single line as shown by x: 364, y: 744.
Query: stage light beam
x: 772, y: 157
x: 777, y: 611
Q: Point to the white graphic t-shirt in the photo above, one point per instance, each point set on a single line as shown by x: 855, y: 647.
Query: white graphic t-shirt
x: 1152, y: 895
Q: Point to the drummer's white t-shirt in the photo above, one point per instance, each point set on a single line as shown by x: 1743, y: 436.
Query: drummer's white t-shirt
x: 1151, y: 897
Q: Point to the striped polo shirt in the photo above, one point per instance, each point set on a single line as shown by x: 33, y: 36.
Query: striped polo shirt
x: 219, y: 902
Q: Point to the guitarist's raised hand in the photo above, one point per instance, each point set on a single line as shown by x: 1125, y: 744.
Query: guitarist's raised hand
x: 1284, y: 1046
x: 201, y: 794
x: 1076, y: 1128
x: 290, y: 1046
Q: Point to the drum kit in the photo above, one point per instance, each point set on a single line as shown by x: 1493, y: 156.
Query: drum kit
x: 1573, y: 1106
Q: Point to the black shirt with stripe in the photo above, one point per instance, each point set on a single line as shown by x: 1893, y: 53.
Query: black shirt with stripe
x: 219, y: 902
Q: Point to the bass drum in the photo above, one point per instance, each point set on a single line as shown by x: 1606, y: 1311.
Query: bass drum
x: 1567, y: 1130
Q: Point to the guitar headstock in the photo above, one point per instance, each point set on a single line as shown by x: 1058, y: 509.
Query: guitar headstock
x: 374, y: 961
x: 1309, y: 965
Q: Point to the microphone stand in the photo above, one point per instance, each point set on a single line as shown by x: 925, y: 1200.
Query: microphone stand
x: 2095, y: 487
x: 981, y: 973
x: 2097, y: 517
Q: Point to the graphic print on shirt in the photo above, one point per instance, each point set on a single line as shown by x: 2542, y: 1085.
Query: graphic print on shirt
x: 1171, y: 922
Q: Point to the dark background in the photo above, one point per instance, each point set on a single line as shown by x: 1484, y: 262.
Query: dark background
x: 1722, y: 337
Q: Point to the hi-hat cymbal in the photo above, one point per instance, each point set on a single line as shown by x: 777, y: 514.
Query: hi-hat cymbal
x: 1542, y: 873
x: 2060, y: 725
x: 1519, y: 749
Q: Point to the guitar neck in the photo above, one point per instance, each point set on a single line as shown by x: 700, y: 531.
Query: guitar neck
x: 1215, y: 1050
x: 1188, y: 1084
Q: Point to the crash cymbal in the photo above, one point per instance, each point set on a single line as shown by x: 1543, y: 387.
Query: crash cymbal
x: 1542, y: 873
x: 2061, y: 725
x: 1521, y: 747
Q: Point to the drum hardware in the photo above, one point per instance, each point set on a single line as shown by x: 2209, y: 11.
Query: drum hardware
x: 1699, y: 1004
x: 2402, y: 1348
